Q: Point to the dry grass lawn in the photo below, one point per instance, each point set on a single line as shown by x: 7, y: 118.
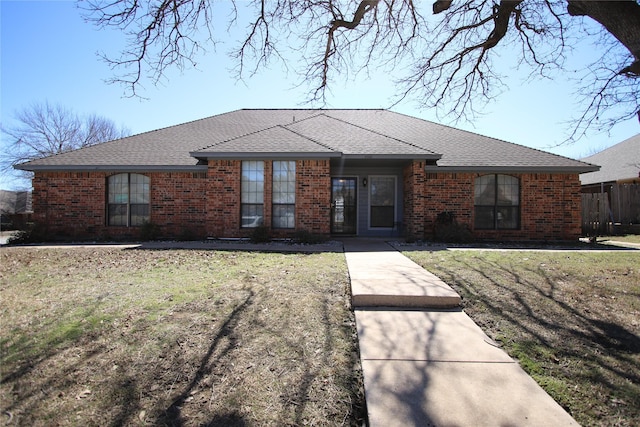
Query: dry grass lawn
x: 572, y: 319
x: 110, y: 337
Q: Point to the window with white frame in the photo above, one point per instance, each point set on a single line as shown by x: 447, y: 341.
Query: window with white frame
x: 284, y: 194
x: 497, y: 202
x: 382, y: 201
x: 128, y: 199
x: 252, y: 194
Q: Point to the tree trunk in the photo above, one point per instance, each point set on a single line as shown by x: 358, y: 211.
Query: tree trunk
x: 620, y: 18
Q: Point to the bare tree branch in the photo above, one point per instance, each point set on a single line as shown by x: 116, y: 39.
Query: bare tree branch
x: 441, y: 54
x: 43, y: 130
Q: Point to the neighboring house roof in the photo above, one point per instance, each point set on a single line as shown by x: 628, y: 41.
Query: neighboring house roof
x: 308, y: 133
x: 620, y: 162
x: 15, y: 202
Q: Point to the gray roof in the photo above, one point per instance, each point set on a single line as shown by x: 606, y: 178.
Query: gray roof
x: 308, y: 133
x: 618, y: 163
x: 15, y: 202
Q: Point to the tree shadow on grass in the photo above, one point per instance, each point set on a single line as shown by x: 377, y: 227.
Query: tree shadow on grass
x: 158, y: 366
x: 529, y: 305
x: 173, y: 414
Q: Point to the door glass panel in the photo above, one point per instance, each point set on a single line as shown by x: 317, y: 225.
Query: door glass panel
x: 343, y: 205
x: 382, y: 199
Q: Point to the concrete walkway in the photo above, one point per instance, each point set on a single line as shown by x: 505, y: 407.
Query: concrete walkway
x: 428, y: 365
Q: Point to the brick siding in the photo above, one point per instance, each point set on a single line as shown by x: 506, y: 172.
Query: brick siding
x: 223, y: 198
x: 313, y: 196
x: 415, y: 199
x: 549, y: 205
x: 72, y: 205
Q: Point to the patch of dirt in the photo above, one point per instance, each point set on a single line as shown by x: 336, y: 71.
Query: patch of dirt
x: 163, y: 337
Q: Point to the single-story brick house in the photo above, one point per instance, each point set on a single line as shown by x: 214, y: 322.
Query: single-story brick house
x: 329, y: 171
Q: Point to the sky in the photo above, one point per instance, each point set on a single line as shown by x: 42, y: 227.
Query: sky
x: 48, y: 53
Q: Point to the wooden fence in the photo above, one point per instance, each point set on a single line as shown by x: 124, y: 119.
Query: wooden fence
x: 618, y: 206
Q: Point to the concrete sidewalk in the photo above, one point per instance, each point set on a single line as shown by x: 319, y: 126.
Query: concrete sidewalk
x: 428, y: 366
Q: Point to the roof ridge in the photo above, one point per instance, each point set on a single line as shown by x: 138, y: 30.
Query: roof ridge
x: 270, y: 128
x: 264, y: 129
x: 327, y: 146
x: 237, y: 137
x: 382, y: 134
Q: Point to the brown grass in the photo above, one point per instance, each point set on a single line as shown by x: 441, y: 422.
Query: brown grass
x: 572, y: 319
x: 167, y: 337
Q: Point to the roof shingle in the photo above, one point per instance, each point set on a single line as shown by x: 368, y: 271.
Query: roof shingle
x: 369, y: 133
x: 619, y: 162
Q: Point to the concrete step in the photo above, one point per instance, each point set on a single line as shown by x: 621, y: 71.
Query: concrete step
x: 389, y: 279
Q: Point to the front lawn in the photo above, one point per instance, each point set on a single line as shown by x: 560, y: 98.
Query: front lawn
x: 100, y: 337
x: 572, y: 319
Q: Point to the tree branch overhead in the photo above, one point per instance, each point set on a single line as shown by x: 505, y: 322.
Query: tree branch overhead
x: 445, y: 47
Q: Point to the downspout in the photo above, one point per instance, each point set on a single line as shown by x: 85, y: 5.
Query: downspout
x: 618, y: 194
x: 601, y: 215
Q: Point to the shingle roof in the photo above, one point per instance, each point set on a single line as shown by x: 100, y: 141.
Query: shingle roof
x: 369, y: 133
x: 15, y: 202
x: 619, y: 162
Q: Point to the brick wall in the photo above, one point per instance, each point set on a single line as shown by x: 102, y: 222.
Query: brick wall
x: 223, y: 198
x: 179, y: 203
x: 313, y: 196
x: 553, y: 206
x: 414, y: 199
x: 448, y: 192
x: 549, y: 205
x: 72, y: 205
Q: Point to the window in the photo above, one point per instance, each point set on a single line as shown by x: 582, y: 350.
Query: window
x: 128, y: 203
x: 382, y: 200
x: 497, y: 202
x: 284, y: 194
x: 252, y: 194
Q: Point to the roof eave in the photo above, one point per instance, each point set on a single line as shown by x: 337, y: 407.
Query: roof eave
x: 263, y: 155
x: 514, y: 169
x: 112, y: 168
x: 392, y: 156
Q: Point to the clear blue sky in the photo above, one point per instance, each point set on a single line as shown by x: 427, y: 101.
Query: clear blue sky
x: 48, y: 53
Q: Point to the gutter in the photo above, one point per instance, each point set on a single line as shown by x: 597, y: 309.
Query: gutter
x: 269, y: 155
x: 111, y: 168
x: 514, y: 169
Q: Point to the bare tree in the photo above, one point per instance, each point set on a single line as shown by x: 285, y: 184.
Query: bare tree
x: 450, y: 45
x: 43, y: 130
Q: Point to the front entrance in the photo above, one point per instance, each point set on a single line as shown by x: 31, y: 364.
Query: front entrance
x: 344, y: 205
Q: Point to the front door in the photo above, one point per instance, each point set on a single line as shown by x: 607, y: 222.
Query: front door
x: 343, y: 205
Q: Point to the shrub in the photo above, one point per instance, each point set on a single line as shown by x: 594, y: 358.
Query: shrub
x: 187, y: 234
x: 447, y: 229
x: 34, y: 233
x: 260, y: 234
x: 149, y: 231
x: 307, y: 237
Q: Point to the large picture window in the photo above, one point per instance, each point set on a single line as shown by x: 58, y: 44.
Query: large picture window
x: 128, y: 199
x: 382, y: 201
x: 497, y: 202
x: 252, y: 194
x: 284, y: 194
